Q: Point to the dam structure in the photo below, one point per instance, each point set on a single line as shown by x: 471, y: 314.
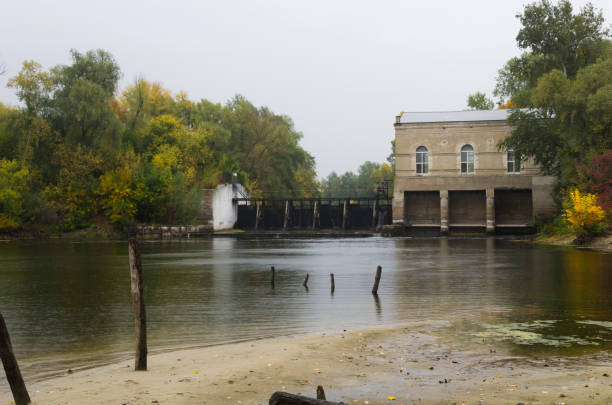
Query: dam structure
x: 450, y: 175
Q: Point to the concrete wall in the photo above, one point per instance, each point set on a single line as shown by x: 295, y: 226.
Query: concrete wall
x: 444, y: 141
x: 224, y: 210
x: 205, y: 211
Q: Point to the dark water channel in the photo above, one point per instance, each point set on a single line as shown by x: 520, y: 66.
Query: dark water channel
x: 67, y: 304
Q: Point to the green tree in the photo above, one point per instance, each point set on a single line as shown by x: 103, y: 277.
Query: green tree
x: 570, y: 120
x: 553, y: 37
x: 33, y: 86
x: 81, y: 99
x: 480, y: 101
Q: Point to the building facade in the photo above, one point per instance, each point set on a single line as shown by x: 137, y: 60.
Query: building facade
x: 449, y: 173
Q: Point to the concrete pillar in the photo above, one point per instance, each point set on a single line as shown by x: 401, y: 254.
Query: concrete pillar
x: 444, y: 212
x: 398, y: 210
x: 287, y: 213
x: 315, y: 216
x: 490, y: 192
x: 374, y: 212
x: 258, y: 215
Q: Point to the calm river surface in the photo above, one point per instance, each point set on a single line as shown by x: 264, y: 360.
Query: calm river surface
x: 67, y: 304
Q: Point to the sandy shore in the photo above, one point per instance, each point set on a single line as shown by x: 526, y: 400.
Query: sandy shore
x: 414, y: 363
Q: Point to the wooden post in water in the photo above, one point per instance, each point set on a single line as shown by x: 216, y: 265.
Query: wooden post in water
x: 320, y: 393
x: 333, y: 284
x: 377, y: 280
x: 272, y: 277
x: 11, y: 368
x: 305, y: 283
x: 345, y: 214
x: 140, y: 317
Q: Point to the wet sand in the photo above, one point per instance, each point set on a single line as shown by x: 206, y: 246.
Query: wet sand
x: 415, y: 363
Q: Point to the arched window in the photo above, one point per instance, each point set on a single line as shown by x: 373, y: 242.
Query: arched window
x: 514, y: 162
x: 467, y: 159
x: 422, y: 160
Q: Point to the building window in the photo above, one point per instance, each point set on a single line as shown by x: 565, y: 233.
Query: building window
x: 422, y: 160
x: 467, y: 159
x: 514, y: 162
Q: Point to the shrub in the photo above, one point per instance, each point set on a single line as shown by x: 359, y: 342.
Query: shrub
x: 583, y: 214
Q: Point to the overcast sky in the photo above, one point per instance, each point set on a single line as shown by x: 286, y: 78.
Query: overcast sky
x: 341, y: 69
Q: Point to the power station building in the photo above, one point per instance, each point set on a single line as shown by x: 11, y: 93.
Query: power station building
x: 450, y: 174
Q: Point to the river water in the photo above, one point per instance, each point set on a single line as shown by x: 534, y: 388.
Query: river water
x: 67, y: 304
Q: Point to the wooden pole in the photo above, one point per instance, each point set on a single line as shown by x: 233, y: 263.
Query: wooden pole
x: 345, y: 214
x: 320, y: 393
x: 333, y: 284
x: 11, y: 368
x: 305, y: 284
x: 272, y: 277
x: 140, y: 317
x: 377, y: 280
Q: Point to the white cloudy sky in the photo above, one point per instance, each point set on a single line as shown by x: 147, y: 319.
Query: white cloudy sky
x: 341, y: 69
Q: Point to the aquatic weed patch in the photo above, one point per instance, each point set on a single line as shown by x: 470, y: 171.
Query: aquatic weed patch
x: 548, y: 333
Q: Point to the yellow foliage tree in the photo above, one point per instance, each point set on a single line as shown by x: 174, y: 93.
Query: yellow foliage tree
x: 583, y: 214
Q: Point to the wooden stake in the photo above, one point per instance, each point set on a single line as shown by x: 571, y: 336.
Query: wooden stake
x: 345, y: 214
x: 272, y: 277
x: 333, y: 284
x: 377, y: 280
x: 305, y: 284
x: 320, y: 393
x: 140, y: 317
x: 11, y: 368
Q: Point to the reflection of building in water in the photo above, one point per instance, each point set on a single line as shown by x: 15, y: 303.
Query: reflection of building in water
x: 450, y: 174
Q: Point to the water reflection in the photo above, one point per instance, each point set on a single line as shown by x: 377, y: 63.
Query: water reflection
x: 71, y: 300
x: 378, y: 306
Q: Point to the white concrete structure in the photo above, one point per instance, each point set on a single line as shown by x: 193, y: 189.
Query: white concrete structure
x: 224, y: 210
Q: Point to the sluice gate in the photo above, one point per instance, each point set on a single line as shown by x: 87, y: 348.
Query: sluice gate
x: 313, y: 213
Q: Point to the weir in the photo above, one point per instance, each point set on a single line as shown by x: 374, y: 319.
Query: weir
x: 313, y: 213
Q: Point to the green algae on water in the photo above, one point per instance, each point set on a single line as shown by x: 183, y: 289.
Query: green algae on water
x: 540, y: 332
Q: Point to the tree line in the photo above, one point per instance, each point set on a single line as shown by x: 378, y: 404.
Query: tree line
x: 77, y: 153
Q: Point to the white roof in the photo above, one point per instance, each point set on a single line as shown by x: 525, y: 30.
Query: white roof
x: 454, y: 116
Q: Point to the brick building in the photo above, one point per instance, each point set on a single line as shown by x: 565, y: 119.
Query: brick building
x: 450, y: 174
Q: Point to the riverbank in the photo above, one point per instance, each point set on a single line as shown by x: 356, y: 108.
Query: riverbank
x: 601, y: 243
x: 419, y: 362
